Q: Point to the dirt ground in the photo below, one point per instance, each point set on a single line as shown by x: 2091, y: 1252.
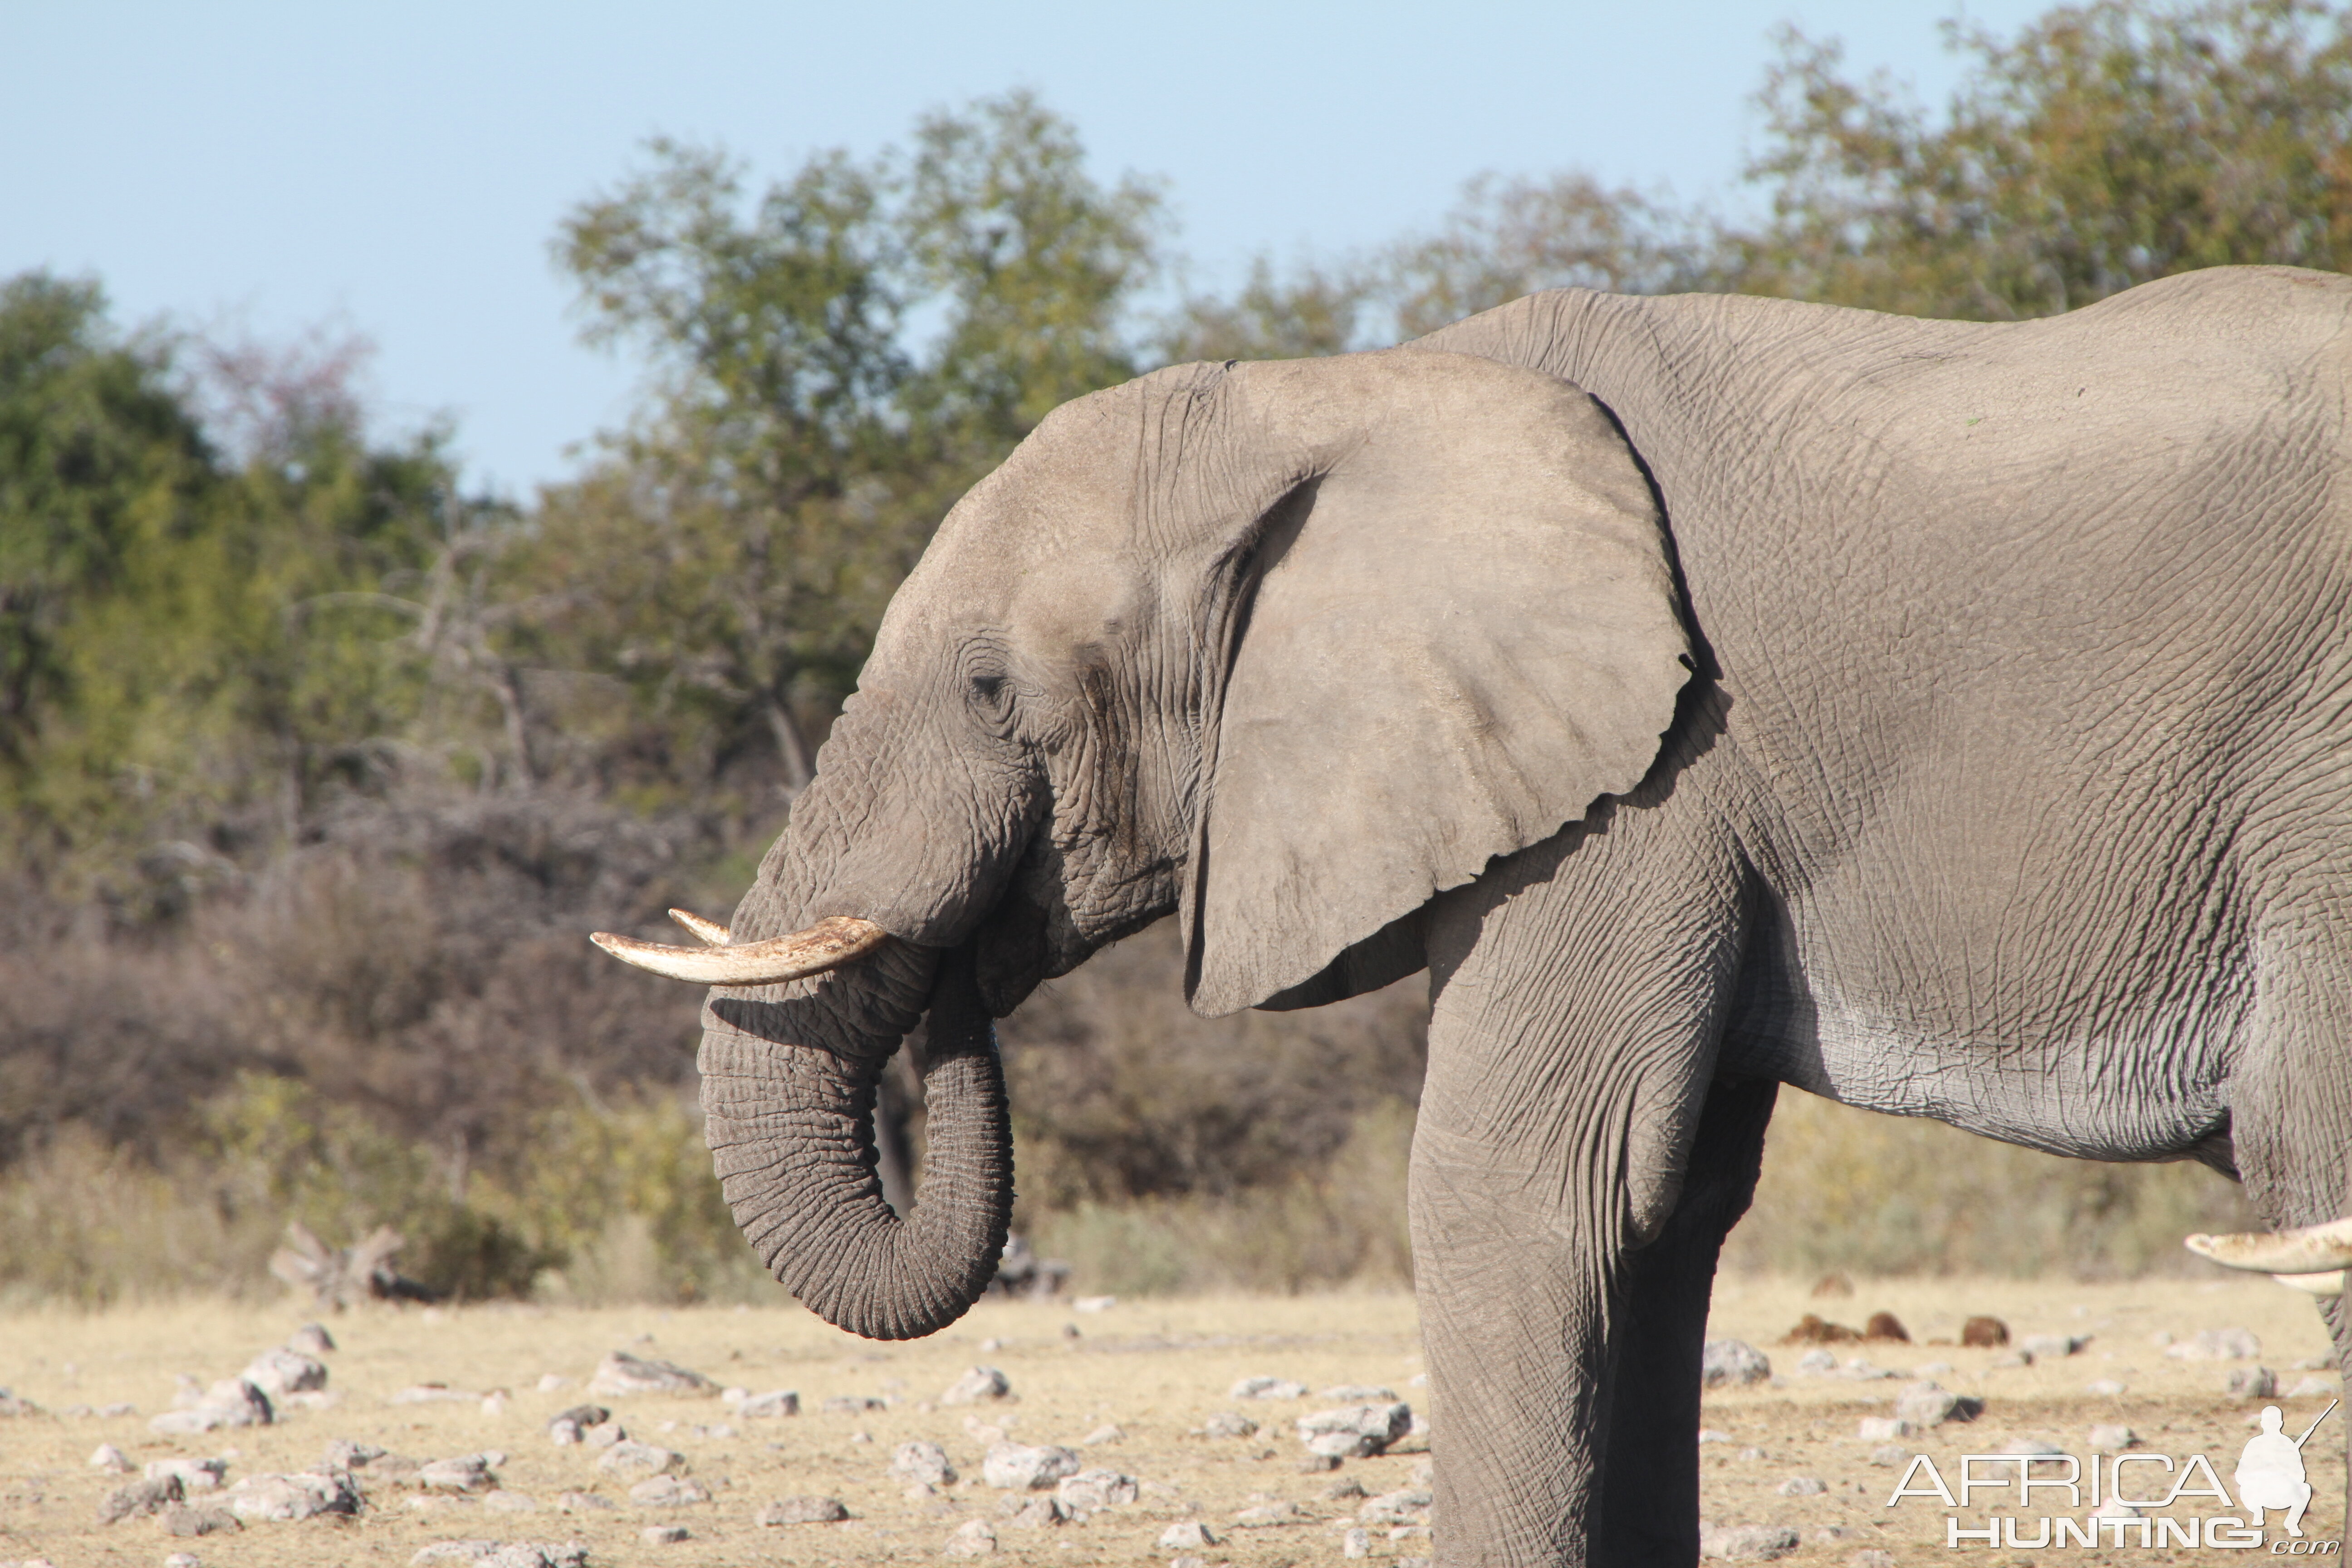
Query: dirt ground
x: 1157, y: 1370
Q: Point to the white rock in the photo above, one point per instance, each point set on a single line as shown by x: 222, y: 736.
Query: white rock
x: 294, y: 1496
x: 278, y: 1373
x: 803, y: 1511
x: 1185, y: 1534
x: 622, y: 1374
x: 1019, y: 1512
x: 1357, y: 1431
x: 2310, y: 1387
x: 1108, y: 1432
x: 1358, y: 1393
x: 1406, y: 1505
x: 1356, y: 1544
x: 922, y: 1463
x: 1745, y: 1542
x: 1882, y: 1428
x: 776, y: 1401
x: 504, y: 1502
x: 107, y: 1456
x: 1094, y: 1303
x: 2111, y: 1508
x: 1229, y: 1423
x: 550, y: 1382
x: 311, y: 1339
x: 1733, y: 1364
x: 463, y: 1473
x: 629, y: 1456
x: 1803, y: 1486
x: 978, y: 1384
x: 1269, y: 1516
x: 664, y: 1534
x: 668, y: 1491
x: 1924, y: 1404
x: 1816, y: 1363
x: 2052, y: 1347
x: 1021, y: 1467
x: 1090, y: 1491
x: 195, y: 1475
x: 231, y: 1402
x: 2252, y: 1383
x: 974, y: 1538
x: 2113, y: 1438
x: 2216, y: 1345
x: 1267, y: 1388
x: 2106, y: 1387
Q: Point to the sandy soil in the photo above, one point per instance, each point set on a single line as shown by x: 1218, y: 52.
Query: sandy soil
x: 1157, y: 1370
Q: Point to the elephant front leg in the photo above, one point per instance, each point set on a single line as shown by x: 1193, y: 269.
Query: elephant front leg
x: 1649, y: 1481
x: 1571, y: 1044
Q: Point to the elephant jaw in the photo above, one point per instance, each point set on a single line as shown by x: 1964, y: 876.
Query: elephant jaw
x: 828, y: 944
x: 2313, y: 1258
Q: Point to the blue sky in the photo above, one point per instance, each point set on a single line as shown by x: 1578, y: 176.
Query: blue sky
x: 398, y: 171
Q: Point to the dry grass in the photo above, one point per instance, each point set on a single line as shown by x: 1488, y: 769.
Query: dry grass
x: 1158, y: 1368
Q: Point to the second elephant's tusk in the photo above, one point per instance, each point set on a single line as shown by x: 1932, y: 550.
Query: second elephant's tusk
x: 828, y: 944
x: 2327, y: 1282
x: 710, y: 933
x: 2312, y: 1249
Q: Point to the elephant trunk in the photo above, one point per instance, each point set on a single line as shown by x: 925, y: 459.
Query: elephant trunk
x: 788, y: 1092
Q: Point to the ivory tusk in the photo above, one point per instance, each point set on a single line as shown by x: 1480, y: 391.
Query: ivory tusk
x: 2312, y: 1249
x: 2327, y: 1282
x: 710, y: 933
x: 828, y: 944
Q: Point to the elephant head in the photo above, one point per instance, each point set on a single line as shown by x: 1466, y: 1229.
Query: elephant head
x: 1286, y: 648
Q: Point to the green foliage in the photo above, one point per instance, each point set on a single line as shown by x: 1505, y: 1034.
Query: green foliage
x: 1315, y: 312
x: 2108, y: 144
x: 195, y: 648
x: 727, y: 561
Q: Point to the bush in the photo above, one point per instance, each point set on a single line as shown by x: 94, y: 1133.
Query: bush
x: 1850, y: 1190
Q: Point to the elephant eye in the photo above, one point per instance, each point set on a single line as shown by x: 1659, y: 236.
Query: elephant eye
x: 991, y: 699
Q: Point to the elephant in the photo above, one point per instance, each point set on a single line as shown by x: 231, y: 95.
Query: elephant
x: 1711, y: 694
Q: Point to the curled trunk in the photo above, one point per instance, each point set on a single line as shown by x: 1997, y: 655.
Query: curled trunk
x: 788, y: 1090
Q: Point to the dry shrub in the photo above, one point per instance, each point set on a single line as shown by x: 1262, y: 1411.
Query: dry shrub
x: 1871, y: 1194
x: 1120, y: 1091
x: 90, y: 1225
x: 1341, y: 1225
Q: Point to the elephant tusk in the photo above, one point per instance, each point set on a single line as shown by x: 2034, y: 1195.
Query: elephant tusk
x: 828, y: 944
x: 2312, y: 1249
x: 2327, y: 1282
x: 710, y: 933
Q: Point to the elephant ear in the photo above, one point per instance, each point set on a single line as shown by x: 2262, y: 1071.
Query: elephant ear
x: 1457, y: 631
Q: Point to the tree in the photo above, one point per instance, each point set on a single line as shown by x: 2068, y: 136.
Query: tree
x: 2109, y: 144
x: 728, y: 557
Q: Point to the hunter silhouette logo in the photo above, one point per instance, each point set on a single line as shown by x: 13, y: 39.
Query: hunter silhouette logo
x: 2269, y: 1478
x: 2269, y: 1471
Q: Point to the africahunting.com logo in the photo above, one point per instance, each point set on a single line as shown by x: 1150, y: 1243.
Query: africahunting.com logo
x: 2069, y: 1501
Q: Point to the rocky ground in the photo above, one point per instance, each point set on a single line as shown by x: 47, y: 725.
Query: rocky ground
x: 1145, y: 1431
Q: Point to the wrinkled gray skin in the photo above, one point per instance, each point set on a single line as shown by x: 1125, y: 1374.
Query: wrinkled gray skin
x: 1946, y: 718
